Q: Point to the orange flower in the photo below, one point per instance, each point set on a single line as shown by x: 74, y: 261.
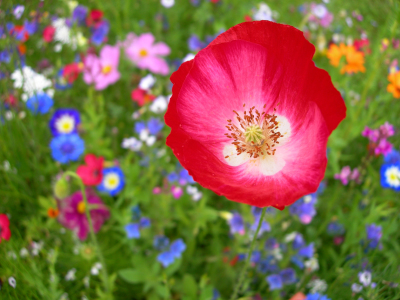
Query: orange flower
x: 394, y: 85
x: 52, y: 212
x: 354, y: 58
x: 298, y: 296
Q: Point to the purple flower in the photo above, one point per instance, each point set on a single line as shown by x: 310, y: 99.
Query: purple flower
x: 316, y: 296
x: 175, y: 251
x: 160, y: 242
x: 307, y: 251
x: 103, y: 70
x: 31, y: 27
x: 236, y: 224
x: 72, y: 213
x: 195, y: 44
x: 384, y: 147
x: 346, y: 175
x: 298, y: 261
x: 268, y: 265
x: 100, y: 32
x: 386, y: 130
x: 185, y: 178
x: 371, y: 134
x: 288, y: 276
x: 335, y: 228
x: 298, y: 241
x: 304, y: 208
x: 139, y: 127
x: 374, y: 234
x: 166, y: 258
x: 144, y: 222
x: 271, y: 244
x: 65, y: 121
x: 154, y: 126
x: 275, y: 282
x: 177, y: 247
x: 142, y: 51
x: 392, y: 157
x: 79, y: 14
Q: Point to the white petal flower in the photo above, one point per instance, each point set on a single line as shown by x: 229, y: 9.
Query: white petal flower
x: 167, y: 3
x: 150, y: 140
x: 312, y: 264
x: 12, y: 282
x: 365, y: 278
x: 159, y: 105
x: 70, y: 275
x: 132, y: 143
x: 147, y: 82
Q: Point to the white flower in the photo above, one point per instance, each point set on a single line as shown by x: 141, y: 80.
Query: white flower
x: 312, y: 264
x: 96, y: 268
x: 317, y: 286
x: 277, y: 253
x: 132, y: 143
x: 36, y: 247
x: 356, y: 288
x: 147, y: 82
x: 188, y: 57
x: 167, y: 3
x: 161, y: 153
x: 12, y: 254
x: 58, y: 47
x: 23, y: 252
x: 197, y: 196
x: 150, y: 140
x: 62, y: 33
x: 263, y: 13
x: 290, y: 237
x: 18, y: 11
x: 70, y: 275
x: 365, y: 278
x: 30, y: 82
x: 349, y: 22
x: 12, y: 282
x: 320, y: 11
x: 159, y: 105
x: 9, y: 115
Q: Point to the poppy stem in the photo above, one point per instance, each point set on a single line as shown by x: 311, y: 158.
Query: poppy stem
x: 106, y: 281
x: 246, y: 264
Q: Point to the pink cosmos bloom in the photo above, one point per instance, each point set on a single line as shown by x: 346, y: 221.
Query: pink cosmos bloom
x: 142, y: 51
x: 103, y: 70
x: 72, y: 213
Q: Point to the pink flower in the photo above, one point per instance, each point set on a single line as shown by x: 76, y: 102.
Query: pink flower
x: 386, y: 130
x: 371, y: 134
x: 72, y: 213
x: 176, y: 191
x: 321, y: 15
x: 141, y: 96
x: 103, y: 70
x: 48, y: 33
x: 347, y: 175
x: 384, y: 147
x: 146, y: 55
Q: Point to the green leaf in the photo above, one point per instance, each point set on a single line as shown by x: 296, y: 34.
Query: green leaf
x: 189, y: 286
x: 162, y: 291
x: 132, y: 275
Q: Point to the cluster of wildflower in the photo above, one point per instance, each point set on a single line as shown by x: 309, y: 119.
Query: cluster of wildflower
x: 318, y: 15
x: 336, y: 230
x: 354, y: 59
x: 378, y: 143
x: 133, y: 229
x: 365, y: 278
x: 171, y: 252
x: 346, y: 175
x: 374, y: 234
x: 390, y: 170
x: 237, y: 224
x: 304, y: 208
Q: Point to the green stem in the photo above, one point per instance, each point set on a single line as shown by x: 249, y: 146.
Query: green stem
x: 92, y: 234
x: 246, y: 264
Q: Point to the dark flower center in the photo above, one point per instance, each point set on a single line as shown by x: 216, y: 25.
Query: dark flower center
x: 67, y: 148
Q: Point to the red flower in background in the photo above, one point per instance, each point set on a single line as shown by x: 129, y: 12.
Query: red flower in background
x: 48, y: 33
x: 71, y: 71
x: 91, y: 174
x: 94, y: 17
x: 5, y: 232
x: 250, y: 115
x: 141, y: 96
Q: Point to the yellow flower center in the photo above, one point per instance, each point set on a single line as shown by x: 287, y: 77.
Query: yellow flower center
x: 254, y: 134
x: 81, y: 207
x: 143, y: 53
x: 106, y: 69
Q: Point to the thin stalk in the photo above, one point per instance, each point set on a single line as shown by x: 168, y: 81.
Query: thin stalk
x: 92, y: 234
x: 246, y: 264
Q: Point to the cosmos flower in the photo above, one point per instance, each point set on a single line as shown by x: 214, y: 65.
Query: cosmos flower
x: 5, y: 232
x: 67, y: 147
x: 248, y: 108
x: 102, y: 70
x: 72, y: 213
x: 142, y: 51
x: 394, y: 85
x: 92, y: 172
x: 113, y: 181
x: 39, y: 103
x: 354, y: 59
x: 65, y: 121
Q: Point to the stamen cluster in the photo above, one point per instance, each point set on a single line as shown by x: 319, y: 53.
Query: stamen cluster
x: 258, y: 132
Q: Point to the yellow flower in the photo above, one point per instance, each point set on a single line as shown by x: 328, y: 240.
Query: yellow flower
x: 394, y: 85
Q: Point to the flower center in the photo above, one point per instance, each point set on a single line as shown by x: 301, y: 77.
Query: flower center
x: 257, y: 133
x: 111, y: 181
x: 106, y: 69
x: 81, y: 207
x: 67, y: 148
x: 65, y: 124
x: 143, y: 52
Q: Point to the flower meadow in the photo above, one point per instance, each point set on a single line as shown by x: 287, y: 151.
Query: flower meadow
x: 200, y: 149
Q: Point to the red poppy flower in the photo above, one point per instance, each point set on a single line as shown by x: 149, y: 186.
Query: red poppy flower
x: 141, y: 96
x: 5, y: 232
x: 48, y: 33
x: 91, y: 174
x: 250, y: 115
x: 94, y: 17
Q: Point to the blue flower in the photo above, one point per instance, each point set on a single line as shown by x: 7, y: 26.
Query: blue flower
x: 288, y: 276
x: 172, y: 177
x: 31, y: 27
x: 177, y: 247
x: 304, y: 208
x: 139, y: 127
x: 317, y: 296
x: 166, y: 258
x: 392, y: 157
x: 297, y: 260
x: 268, y: 265
x: 136, y: 213
x: 390, y: 176
x: 39, y: 103
x: 154, y: 125
x: 132, y: 230
x: 236, y: 223
x: 100, y: 32
x: 307, y: 251
x: 185, y: 178
x: 160, y: 242
x: 5, y: 56
x: 271, y: 244
x: 67, y: 147
x: 144, y: 222
x: 298, y: 241
x: 113, y: 181
x: 335, y: 228
x: 65, y: 121
x: 275, y: 282
x: 61, y: 83
x: 195, y: 44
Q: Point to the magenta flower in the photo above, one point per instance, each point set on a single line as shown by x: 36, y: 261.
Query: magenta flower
x: 72, y: 213
x: 384, y: 147
x: 142, y: 51
x: 103, y: 70
x: 346, y: 175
